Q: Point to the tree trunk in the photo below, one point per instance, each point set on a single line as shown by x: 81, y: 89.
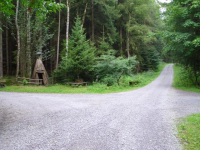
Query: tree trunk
x: 103, y: 33
x: 18, y: 40
x: 23, y: 61
x: 28, y: 52
x: 7, y: 49
x: 128, y: 38
x: 58, y: 42
x: 1, y: 48
x: 40, y: 46
x: 128, y: 44
x: 84, y: 14
x: 121, y: 37
x: 67, y: 29
x: 92, y: 20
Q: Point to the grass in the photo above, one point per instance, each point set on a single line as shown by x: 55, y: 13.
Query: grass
x: 142, y: 79
x: 189, y: 127
x: 182, y: 80
x: 189, y: 132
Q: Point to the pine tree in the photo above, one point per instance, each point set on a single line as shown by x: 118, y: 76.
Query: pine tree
x: 81, y: 56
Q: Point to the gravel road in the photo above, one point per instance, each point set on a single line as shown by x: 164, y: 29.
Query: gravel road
x: 142, y: 119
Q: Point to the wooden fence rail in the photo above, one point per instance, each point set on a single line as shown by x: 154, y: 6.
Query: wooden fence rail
x: 30, y: 81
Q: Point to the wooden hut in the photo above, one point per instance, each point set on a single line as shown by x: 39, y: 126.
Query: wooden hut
x: 39, y: 71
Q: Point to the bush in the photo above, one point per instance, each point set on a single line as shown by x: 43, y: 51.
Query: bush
x: 9, y: 81
x: 109, y: 80
x: 186, y: 77
x: 25, y: 82
x: 110, y: 69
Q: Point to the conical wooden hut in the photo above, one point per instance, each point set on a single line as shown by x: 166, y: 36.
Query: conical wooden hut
x: 40, y: 72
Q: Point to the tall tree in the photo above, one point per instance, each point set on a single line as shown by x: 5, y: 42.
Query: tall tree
x: 1, y: 48
x: 183, y: 33
x: 81, y: 55
x: 67, y: 27
x: 7, y: 49
x: 28, y: 53
x: 92, y: 20
x: 18, y: 39
x: 58, y: 42
x: 6, y: 9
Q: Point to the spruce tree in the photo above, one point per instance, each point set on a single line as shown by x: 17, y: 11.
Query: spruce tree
x: 80, y: 59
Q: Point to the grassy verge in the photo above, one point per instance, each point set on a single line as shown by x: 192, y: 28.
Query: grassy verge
x: 189, y: 132
x: 182, y: 80
x: 142, y: 79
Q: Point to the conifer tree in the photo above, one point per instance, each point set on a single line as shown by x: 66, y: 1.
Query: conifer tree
x: 80, y: 59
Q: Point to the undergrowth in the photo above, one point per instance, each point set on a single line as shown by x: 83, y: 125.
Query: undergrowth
x: 184, y: 79
x: 139, y: 80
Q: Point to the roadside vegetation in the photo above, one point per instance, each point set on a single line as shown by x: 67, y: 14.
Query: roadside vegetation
x: 138, y: 80
x: 189, y: 131
x: 184, y: 79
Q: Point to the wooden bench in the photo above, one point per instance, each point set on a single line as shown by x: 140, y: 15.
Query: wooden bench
x: 2, y: 84
x: 77, y: 83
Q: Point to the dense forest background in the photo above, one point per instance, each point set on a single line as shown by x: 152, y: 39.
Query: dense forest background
x: 97, y: 39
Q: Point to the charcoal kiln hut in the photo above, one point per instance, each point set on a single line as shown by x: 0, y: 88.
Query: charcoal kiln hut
x: 39, y: 71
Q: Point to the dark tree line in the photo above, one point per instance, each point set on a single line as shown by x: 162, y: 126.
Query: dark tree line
x: 126, y: 27
x: 182, y: 35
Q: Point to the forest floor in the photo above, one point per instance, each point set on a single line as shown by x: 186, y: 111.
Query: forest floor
x: 143, y: 78
x: 140, y: 119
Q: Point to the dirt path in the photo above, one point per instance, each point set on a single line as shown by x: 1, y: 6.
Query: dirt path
x: 143, y: 119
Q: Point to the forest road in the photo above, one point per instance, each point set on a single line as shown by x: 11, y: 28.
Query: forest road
x: 142, y: 119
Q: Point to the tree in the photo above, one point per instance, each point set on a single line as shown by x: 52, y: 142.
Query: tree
x: 6, y: 9
x: 18, y: 39
x: 183, y: 33
x: 58, y: 42
x: 1, y: 48
x: 34, y: 33
x: 67, y: 27
x: 78, y: 64
x: 81, y: 55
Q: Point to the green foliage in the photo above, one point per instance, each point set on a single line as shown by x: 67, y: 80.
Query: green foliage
x: 81, y: 56
x: 184, y: 79
x: 9, y: 81
x: 109, y: 69
x: 24, y: 82
x: 80, y: 60
x: 188, y: 132
x: 97, y: 87
x: 103, y: 48
x: 182, y: 33
x: 43, y: 7
x: 6, y: 7
x: 141, y: 19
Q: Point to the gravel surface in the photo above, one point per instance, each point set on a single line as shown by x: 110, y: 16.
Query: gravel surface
x: 143, y: 119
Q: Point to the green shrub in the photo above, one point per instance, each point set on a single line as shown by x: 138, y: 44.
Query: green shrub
x: 110, y: 69
x: 25, y: 82
x: 124, y: 81
x: 9, y: 81
x: 109, y: 80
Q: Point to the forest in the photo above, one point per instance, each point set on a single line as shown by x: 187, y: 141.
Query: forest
x: 98, y: 40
